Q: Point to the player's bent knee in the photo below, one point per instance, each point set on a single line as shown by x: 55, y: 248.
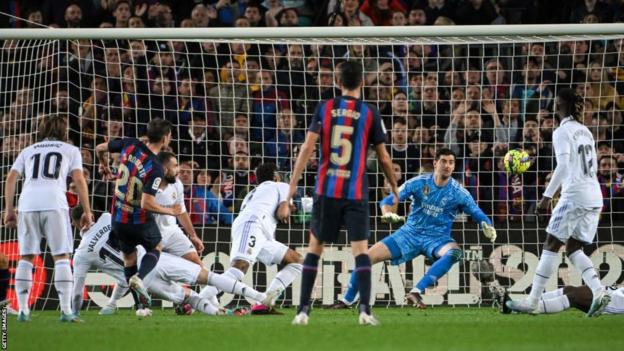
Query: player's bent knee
x: 552, y: 243
x: 292, y: 256
x: 61, y: 257
x: 455, y: 254
x: 241, y: 265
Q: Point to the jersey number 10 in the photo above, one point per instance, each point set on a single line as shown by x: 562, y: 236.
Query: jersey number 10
x: 53, y: 159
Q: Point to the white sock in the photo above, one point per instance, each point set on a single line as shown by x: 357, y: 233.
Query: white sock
x: 232, y: 286
x: 118, y: 292
x: 202, y: 305
x: 63, y: 280
x: 555, y: 305
x: 208, y: 292
x: 285, y: 277
x: 234, y: 273
x: 547, y: 265
x: 23, y: 283
x: 586, y: 267
x: 552, y: 294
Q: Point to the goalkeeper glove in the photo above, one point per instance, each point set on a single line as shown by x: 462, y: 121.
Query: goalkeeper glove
x: 391, y: 217
x: 489, y: 231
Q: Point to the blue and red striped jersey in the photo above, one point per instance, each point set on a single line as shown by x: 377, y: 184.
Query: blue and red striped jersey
x: 139, y: 172
x: 346, y: 126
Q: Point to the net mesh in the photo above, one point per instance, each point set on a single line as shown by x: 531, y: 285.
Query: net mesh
x: 237, y: 103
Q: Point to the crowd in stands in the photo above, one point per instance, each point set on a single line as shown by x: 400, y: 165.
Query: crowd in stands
x: 235, y: 105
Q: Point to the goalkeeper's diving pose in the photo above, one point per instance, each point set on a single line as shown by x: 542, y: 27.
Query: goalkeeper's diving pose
x: 436, y: 200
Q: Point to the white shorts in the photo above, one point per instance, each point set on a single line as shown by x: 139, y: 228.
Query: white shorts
x: 570, y: 221
x: 616, y: 306
x: 175, y: 242
x: 251, y: 244
x: 53, y: 225
x: 167, y: 290
x: 174, y: 269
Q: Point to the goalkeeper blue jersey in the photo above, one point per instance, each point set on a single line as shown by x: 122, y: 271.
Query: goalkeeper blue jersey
x: 434, y: 208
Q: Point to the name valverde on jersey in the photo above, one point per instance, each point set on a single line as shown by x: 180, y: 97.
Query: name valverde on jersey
x: 45, y: 167
x: 346, y: 127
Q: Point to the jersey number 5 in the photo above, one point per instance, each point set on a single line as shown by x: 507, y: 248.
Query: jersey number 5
x: 340, y: 139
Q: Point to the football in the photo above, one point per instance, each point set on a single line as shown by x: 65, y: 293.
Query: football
x: 516, y: 161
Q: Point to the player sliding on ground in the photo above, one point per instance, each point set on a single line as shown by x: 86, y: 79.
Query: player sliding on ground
x: 253, y: 235
x: 43, y: 210
x: 575, y: 218
x: 99, y: 250
x: 346, y: 126
x: 134, y: 204
x: 436, y: 200
x: 579, y: 297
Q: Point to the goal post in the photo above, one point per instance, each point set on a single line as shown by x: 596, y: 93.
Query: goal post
x: 241, y: 96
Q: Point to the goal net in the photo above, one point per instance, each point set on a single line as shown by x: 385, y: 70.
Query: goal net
x: 235, y: 103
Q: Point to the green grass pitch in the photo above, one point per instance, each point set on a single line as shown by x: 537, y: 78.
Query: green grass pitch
x: 442, y: 328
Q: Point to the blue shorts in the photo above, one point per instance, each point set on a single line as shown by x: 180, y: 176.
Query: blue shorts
x: 405, y: 244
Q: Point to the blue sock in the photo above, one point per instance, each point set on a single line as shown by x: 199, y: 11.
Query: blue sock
x: 308, y: 276
x: 352, y: 289
x: 439, y: 268
x: 363, y: 273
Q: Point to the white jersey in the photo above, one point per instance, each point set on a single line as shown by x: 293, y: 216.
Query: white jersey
x: 95, y: 242
x: 45, y: 166
x: 172, y: 194
x: 262, y: 202
x: 580, y: 185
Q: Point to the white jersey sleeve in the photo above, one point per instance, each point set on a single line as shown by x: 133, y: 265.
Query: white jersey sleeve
x: 574, y: 143
x: 262, y: 202
x: 45, y: 167
x: 172, y: 194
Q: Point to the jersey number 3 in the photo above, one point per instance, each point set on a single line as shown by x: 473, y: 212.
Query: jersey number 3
x: 340, y: 139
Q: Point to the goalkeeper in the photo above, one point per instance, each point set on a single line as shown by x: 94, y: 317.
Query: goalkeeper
x: 436, y: 200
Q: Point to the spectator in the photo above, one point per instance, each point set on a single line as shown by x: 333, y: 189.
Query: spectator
x: 122, y: 13
x: 475, y: 12
x: 611, y: 185
x: 380, y: 11
x: 136, y: 22
x: 264, y: 107
x: 405, y: 154
x: 203, y: 205
x: 533, y: 94
x: 73, y: 16
x: 417, y: 17
x: 351, y: 9
x: 35, y: 18
x: 230, y: 96
x: 436, y: 8
x: 496, y: 82
x: 287, y: 135
x: 252, y: 13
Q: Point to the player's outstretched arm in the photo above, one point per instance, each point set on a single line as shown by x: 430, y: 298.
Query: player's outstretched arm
x: 555, y: 181
x: 387, y: 215
x: 10, y: 217
x: 101, y: 150
x: 187, y: 224
x: 302, y: 160
x: 471, y: 208
x: 148, y: 203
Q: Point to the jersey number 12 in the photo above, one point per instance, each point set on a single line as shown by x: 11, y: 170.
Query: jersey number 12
x: 587, y: 160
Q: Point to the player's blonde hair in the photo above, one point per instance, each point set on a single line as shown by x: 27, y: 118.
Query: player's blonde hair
x: 52, y: 127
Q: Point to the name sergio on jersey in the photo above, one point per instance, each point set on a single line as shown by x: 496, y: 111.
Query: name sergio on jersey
x: 343, y: 112
x: 97, y: 237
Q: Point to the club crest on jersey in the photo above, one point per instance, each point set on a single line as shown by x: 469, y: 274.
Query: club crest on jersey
x: 425, y: 191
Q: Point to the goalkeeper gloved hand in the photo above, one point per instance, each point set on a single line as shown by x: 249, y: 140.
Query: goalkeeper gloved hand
x: 391, y: 217
x: 488, y: 231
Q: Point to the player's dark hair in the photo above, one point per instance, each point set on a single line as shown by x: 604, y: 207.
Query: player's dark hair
x: 265, y: 172
x: 157, y: 129
x: 400, y: 120
x: 52, y: 127
x: 76, y: 213
x: 571, y: 103
x: 444, y: 152
x: 165, y: 156
x: 350, y: 74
